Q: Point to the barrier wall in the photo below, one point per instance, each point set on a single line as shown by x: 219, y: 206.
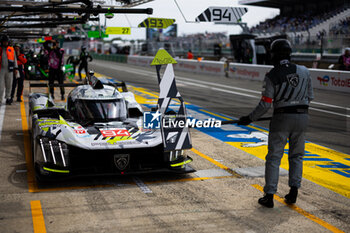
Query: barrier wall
x: 194, y: 66
x: 205, y: 67
x: 248, y: 71
x: 331, y: 80
x: 321, y: 79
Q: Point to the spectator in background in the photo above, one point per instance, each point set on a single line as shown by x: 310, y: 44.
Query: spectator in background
x: 344, y: 60
x: 8, y: 68
x: 74, y: 60
x: 18, y: 81
x: 189, y: 54
x: 248, y: 56
x: 84, y: 61
x: 55, y: 64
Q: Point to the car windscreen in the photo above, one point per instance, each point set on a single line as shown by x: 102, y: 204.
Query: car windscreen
x: 100, y: 110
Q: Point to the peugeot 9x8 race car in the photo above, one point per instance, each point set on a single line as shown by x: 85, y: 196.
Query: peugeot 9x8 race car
x: 98, y: 131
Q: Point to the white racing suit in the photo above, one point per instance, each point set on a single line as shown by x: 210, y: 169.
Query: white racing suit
x: 288, y: 87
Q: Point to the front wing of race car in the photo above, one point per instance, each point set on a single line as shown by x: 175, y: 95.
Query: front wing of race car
x: 54, y: 159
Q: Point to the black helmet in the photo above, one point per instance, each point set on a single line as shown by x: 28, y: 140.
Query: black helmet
x: 280, y: 50
x: 4, y: 38
x: 281, y: 46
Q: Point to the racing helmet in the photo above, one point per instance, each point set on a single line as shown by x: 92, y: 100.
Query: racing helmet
x: 280, y: 49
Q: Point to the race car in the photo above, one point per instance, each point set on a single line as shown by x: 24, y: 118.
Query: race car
x: 36, y: 67
x: 98, y: 131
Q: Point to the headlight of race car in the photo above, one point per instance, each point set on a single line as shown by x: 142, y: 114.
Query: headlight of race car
x: 53, y: 152
x: 29, y: 68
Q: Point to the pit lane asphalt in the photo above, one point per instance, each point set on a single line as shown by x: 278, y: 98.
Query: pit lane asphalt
x: 329, y: 114
x: 208, y: 201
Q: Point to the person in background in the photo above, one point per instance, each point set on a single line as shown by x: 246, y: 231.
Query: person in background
x: 55, y: 65
x: 344, y: 60
x: 84, y: 56
x: 18, y: 81
x: 8, y: 68
x: 74, y: 60
x: 189, y: 54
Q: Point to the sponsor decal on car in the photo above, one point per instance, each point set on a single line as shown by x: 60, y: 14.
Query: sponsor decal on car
x: 115, y: 132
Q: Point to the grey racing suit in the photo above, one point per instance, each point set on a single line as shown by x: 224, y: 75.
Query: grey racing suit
x: 288, y: 87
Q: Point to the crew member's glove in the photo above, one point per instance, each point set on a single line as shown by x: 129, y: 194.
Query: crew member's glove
x: 244, y: 120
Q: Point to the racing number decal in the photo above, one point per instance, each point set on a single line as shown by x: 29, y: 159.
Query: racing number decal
x: 114, y: 132
x: 80, y: 131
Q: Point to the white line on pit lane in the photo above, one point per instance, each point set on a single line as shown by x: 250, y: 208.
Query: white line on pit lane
x: 198, y: 83
x: 141, y: 185
x: 2, y: 116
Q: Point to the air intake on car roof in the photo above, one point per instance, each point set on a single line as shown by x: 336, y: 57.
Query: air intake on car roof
x: 94, y: 82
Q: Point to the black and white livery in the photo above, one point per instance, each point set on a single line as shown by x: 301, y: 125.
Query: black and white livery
x: 98, y: 131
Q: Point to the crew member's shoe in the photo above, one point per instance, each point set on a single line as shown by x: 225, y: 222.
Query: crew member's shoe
x: 62, y: 97
x: 291, y: 197
x: 267, y: 201
x: 19, y: 99
x: 9, y: 101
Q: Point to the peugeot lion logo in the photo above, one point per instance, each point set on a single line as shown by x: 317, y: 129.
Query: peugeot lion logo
x: 293, y: 79
x: 121, y: 161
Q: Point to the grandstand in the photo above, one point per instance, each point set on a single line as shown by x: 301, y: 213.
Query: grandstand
x: 313, y: 26
x: 308, y: 17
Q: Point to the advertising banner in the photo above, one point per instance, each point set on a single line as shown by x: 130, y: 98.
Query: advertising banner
x: 248, y: 71
x: 321, y: 79
x: 331, y: 80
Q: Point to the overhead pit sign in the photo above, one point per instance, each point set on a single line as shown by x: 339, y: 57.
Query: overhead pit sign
x: 222, y: 14
x: 156, y: 23
x: 118, y: 30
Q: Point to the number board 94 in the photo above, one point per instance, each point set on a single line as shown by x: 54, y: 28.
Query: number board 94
x: 222, y: 14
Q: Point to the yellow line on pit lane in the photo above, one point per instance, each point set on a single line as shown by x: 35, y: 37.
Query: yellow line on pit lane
x: 38, y: 218
x: 220, y: 165
x: 32, y: 185
x: 303, y: 212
